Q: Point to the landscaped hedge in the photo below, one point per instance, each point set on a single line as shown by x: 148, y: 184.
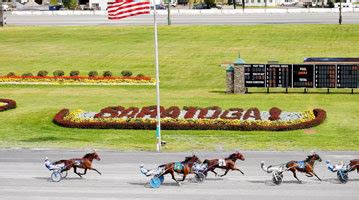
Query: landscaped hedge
x: 9, y: 104
x: 190, y: 124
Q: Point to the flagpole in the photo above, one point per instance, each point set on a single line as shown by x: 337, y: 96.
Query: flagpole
x: 158, y: 126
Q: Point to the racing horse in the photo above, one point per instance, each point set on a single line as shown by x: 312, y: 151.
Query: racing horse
x: 84, y: 163
x: 306, y: 166
x: 354, y: 165
x: 227, y: 163
x: 184, y: 167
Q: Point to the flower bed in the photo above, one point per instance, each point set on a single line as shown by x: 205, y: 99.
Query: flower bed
x: 7, y: 104
x: 190, y: 118
x: 77, y: 80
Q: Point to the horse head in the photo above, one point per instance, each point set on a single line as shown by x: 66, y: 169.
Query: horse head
x: 192, y: 159
x: 236, y: 155
x: 96, y: 156
x: 313, y: 157
x: 92, y: 156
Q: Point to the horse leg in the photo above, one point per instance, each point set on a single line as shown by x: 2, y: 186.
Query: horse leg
x: 295, y: 176
x: 184, y: 177
x: 75, y: 171
x: 173, y: 177
x: 227, y: 170
x: 215, y: 173
x: 238, y: 170
x: 313, y: 173
x: 96, y: 170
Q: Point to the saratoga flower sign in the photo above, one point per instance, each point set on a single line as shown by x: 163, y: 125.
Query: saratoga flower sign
x: 77, y: 80
x: 7, y: 104
x: 190, y: 118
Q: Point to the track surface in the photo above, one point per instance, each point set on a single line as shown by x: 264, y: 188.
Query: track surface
x: 209, y: 19
x: 23, y: 176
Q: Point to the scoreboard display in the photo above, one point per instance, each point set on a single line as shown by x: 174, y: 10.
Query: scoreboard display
x: 254, y: 75
x: 279, y: 75
x: 303, y: 76
x: 347, y: 76
x: 325, y: 76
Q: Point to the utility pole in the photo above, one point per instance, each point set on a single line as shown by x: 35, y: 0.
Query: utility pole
x: 168, y: 12
x: 2, y: 18
x: 340, y: 12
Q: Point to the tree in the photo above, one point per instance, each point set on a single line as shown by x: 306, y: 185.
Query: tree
x: 53, y: 2
x: 73, y: 4
x: 66, y: 3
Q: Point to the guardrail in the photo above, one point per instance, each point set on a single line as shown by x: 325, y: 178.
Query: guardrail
x: 196, y: 12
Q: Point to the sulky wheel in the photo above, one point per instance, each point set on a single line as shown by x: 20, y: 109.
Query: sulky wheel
x: 199, y: 177
x: 56, y: 176
x: 162, y: 178
x: 63, y: 174
x: 342, y: 176
x: 155, y: 182
x: 277, y: 178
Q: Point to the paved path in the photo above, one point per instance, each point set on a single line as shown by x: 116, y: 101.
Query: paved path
x: 210, y: 19
x: 23, y: 176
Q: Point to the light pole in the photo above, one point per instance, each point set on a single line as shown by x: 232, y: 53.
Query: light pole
x: 168, y: 12
x: 340, y: 12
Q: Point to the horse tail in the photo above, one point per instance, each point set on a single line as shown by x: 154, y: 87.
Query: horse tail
x: 206, y: 162
x: 290, y: 164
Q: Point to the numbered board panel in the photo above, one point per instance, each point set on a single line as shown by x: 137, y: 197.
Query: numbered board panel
x: 279, y: 75
x: 254, y: 75
x: 325, y: 76
x: 347, y: 76
x: 303, y: 76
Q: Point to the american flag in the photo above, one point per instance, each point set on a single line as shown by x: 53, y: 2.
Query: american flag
x: 126, y: 8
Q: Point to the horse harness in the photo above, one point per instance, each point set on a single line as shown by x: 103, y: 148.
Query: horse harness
x: 178, y: 166
x: 301, y: 164
x: 221, y: 162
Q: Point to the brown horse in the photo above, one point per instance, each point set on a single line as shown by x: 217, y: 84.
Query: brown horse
x: 228, y: 164
x: 354, y: 165
x: 306, y: 166
x: 83, y: 163
x: 185, y: 167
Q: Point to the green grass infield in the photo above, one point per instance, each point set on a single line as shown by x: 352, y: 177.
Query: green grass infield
x: 190, y: 75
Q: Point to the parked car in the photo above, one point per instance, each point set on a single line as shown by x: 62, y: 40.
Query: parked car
x: 289, y: 3
x: 201, y: 6
x: 206, y: 6
x: 159, y: 7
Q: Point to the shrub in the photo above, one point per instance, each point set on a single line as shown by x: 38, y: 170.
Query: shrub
x: 27, y: 74
x: 42, y: 73
x: 140, y: 75
x: 107, y: 74
x: 93, y: 73
x: 74, y: 73
x: 126, y: 73
x: 59, y: 73
x: 11, y: 74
